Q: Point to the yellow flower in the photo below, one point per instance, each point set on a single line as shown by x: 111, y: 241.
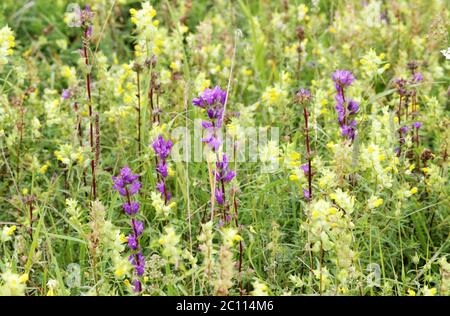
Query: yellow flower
x: 123, y: 238
x: 411, y: 292
x: 23, y: 278
x: 375, y: 202
x: 413, y: 190
x: 293, y: 177
x: 332, y: 210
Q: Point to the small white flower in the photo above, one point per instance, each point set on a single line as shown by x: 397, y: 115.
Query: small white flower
x: 446, y: 53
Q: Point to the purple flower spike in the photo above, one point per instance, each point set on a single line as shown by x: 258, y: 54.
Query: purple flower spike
x: 127, y: 185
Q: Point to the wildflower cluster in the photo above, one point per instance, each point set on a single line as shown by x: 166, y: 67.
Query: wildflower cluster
x: 7, y: 43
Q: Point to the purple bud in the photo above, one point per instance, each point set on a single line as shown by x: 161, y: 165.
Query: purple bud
x: 66, y: 94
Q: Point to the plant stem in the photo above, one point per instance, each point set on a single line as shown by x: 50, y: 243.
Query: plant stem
x: 91, y: 128
x: 308, y: 150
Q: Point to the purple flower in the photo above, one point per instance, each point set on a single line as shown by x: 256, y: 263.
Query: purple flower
x: 86, y: 16
x: 132, y: 242
x: 306, y: 194
x: 219, y: 196
x: 417, y: 125
x: 66, y: 94
x: 138, y: 227
x: 134, y: 187
x: 404, y: 129
x: 212, y: 141
x: 210, y: 97
x: 207, y: 125
x: 161, y: 147
x: 161, y: 168
x: 342, y: 78
x: 131, y: 208
x: 349, y: 130
x: 353, y: 107
x: 305, y: 168
x: 303, y: 95
x: 417, y: 77
x: 223, y: 171
x: 138, y: 261
x: 125, y: 179
x: 137, y: 286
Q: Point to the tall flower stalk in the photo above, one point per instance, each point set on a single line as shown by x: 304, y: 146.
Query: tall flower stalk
x: 86, y: 17
x: 213, y: 101
x: 304, y: 97
x: 128, y: 185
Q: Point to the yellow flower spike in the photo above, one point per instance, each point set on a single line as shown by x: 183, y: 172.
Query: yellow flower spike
x: 413, y: 190
x: 425, y: 170
x: 126, y: 282
x: 133, y: 11
x: 145, y: 279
